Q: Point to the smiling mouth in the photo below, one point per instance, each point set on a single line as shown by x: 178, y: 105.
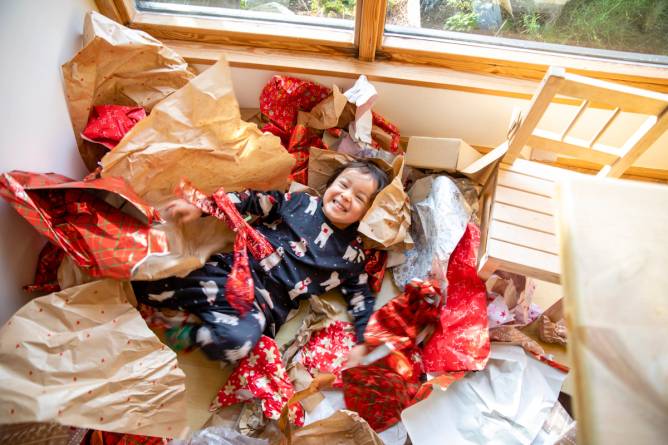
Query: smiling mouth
x: 339, y: 206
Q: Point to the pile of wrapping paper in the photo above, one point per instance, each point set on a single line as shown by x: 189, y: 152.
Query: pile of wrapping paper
x: 84, y: 355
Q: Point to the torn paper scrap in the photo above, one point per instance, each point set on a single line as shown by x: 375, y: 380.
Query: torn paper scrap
x: 506, y: 403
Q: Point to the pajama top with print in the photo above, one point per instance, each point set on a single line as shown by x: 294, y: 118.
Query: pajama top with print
x: 315, y: 256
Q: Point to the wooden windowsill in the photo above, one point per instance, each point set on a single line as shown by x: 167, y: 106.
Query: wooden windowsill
x: 352, y: 68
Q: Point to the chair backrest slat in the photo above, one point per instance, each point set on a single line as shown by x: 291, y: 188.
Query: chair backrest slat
x: 570, y: 125
x: 592, y: 91
x: 605, y: 126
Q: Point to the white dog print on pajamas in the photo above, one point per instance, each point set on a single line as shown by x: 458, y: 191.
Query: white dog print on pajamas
x: 261, y: 319
x: 300, y: 288
x: 161, y: 296
x: 267, y: 297
x: 203, y: 336
x: 357, y: 302
x: 323, y: 236
x: 266, y: 203
x: 299, y: 247
x: 332, y: 282
x: 225, y: 318
x: 237, y: 354
x: 234, y: 199
x: 210, y: 289
x: 312, y: 205
x: 363, y: 279
x: 272, y: 260
x: 353, y: 254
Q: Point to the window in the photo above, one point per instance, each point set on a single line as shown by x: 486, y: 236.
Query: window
x: 338, y: 14
x: 618, y: 40
x: 634, y: 30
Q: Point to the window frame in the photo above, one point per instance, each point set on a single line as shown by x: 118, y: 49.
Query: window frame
x: 370, y: 44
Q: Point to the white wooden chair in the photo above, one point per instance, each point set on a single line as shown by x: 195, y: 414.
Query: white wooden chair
x: 518, y: 230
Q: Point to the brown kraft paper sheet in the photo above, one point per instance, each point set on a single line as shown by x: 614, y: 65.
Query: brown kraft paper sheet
x: 120, y: 66
x: 387, y: 221
x: 197, y: 133
x: 84, y: 357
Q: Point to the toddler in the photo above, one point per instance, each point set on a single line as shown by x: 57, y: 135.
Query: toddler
x: 319, y: 250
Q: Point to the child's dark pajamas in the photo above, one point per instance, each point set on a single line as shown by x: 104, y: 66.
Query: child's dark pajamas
x: 315, y: 257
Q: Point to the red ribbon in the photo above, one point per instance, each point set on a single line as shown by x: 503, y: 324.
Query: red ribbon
x: 239, y: 289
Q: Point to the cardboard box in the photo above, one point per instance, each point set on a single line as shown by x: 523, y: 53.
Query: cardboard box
x: 440, y: 153
x: 452, y: 155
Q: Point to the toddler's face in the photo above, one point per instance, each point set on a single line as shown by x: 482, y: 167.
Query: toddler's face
x: 348, y: 198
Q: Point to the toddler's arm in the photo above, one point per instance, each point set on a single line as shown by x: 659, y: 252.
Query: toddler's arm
x: 266, y: 205
x: 360, y: 302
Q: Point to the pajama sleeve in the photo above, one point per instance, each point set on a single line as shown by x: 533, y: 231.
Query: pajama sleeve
x: 360, y: 302
x: 265, y: 205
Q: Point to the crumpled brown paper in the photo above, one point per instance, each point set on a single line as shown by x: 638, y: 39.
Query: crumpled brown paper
x: 387, y: 221
x: 197, y: 133
x: 321, y: 314
x: 513, y: 336
x: 118, y: 66
x: 301, y: 379
x: 326, y: 114
x: 41, y: 434
x: 341, y: 428
x: 552, y: 332
x: 85, y: 357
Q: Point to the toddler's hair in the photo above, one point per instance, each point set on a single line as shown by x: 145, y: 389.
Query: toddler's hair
x: 366, y: 167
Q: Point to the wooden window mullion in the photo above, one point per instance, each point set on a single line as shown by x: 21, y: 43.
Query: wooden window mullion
x: 369, y: 26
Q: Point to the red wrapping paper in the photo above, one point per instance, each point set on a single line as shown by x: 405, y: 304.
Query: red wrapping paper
x: 261, y: 375
x: 441, y: 382
x: 377, y: 394
x: 283, y: 97
x: 239, y: 289
x: 46, y: 274
x: 398, y: 323
x: 301, y: 140
x: 281, y: 100
x: 389, y: 128
x: 375, y: 267
x: 107, y: 124
x: 461, y: 339
x: 101, y: 240
x: 327, y: 349
x: 97, y: 437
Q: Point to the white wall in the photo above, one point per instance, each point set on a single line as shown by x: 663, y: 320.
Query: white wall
x: 477, y: 118
x: 36, y: 37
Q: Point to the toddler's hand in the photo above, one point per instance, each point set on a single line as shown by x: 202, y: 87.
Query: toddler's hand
x: 181, y: 211
x: 355, y: 356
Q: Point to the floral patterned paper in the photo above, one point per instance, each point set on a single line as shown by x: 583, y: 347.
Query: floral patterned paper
x: 261, y: 374
x: 328, y: 348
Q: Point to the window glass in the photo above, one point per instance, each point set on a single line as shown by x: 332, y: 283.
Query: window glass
x: 625, y: 29
x: 328, y: 13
